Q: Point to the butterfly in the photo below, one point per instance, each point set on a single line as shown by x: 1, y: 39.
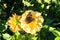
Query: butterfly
x: 29, y: 18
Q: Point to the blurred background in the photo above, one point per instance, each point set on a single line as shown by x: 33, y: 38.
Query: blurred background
x: 50, y: 10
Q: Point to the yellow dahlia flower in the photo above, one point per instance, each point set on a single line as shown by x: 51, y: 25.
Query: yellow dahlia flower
x: 14, y: 23
x: 31, y: 22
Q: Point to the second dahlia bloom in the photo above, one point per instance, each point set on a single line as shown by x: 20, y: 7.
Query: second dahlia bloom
x: 14, y: 23
x: 31, y: 21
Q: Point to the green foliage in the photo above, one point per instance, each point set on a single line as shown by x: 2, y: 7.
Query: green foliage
x: 27, y: 3
x: 50, y: 10
x: 3, y: 27
x: 18, y: 36
x: 6, y: 36
x: 54, y: 31
x: 57, y: 38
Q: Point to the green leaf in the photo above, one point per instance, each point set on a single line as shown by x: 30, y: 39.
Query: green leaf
x: 47, y: 1
x: 39, y: 1
x: 54, y: 31
x: 42, y: 5
x: 6, y: 36
x: 48, y: 21
x: 34, y: 38
x: 48, y: 7
x: 18, y: 36
x: 51, y: 28
x: 57, y: 38
x: 55, y: 1
x: 26, y: 3
x: 3, y: 27
x: 12, y: 38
